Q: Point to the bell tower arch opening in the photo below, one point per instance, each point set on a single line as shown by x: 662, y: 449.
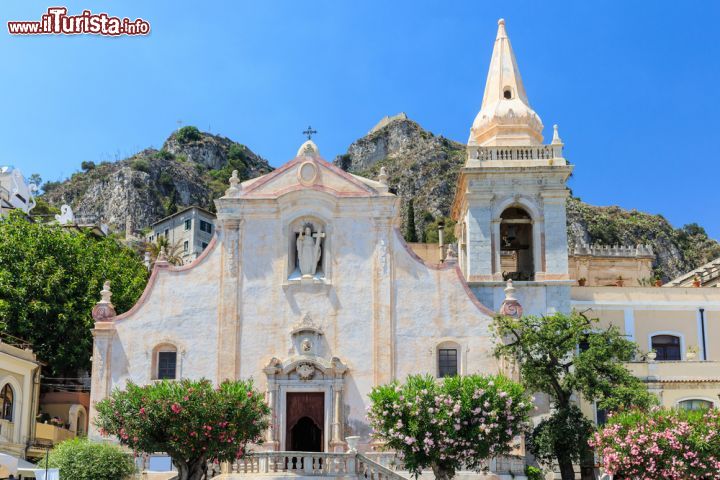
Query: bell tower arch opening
x: 516, y: 245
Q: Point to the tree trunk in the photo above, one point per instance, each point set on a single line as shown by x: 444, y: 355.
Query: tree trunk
x: 587, y: 466
x: 567, y: 472
x: 440, y: 472
x: 192, y: 470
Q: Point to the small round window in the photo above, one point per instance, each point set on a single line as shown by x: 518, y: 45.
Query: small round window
x: 507, y: 93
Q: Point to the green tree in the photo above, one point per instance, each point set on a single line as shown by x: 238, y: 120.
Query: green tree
x: 173, y: 253
x: 410, y: 231
x: 50, y: 278
x: 433, y: 236
x: 44, y: 210
x: 172, y: 203
x: 561, y: 355
x: 461, y: 421
x: 81, y: 459
x: 192, y: 421
x: 36, y: 179
x: 87, y: 166
x: 188, y: 134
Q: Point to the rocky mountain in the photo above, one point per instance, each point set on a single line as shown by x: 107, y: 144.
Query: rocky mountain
x: 424, y: 168
x: 421, y: 167
x: 192, y: 168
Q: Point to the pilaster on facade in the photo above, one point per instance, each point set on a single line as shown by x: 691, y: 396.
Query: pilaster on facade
x: 383, y: 303
x: 103, y: 336
x: 229, y: 322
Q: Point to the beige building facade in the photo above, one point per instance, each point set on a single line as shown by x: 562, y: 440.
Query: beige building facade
x: 188, y: 232
x: 677, y: 330
x: 19, y: 395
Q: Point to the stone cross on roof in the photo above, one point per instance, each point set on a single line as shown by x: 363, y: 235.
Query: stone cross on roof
x: 309, y: 132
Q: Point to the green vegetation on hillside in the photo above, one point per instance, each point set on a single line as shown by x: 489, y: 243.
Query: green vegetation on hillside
x: 677, y: 250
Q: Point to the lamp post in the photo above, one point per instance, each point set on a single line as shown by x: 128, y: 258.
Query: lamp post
x: 441, y: 240
x: 47, y: 459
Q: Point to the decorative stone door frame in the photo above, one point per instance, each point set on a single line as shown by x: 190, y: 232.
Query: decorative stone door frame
x: 306, y: 373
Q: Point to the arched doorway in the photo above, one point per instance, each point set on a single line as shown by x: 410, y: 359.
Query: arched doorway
x: 305, y: 436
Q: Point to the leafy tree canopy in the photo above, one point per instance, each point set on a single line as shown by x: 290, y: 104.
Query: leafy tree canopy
x: 188, y: 134
x: 192, y: 421
x: 460, y: 421
x: 561, y: 355
x: 81, y: 459
x: 50, y: 278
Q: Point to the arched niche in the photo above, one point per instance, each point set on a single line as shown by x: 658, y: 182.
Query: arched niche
x: 77, y: 417
x: 308, y: 248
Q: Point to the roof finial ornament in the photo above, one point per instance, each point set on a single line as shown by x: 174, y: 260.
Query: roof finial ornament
x: 556, y: 140
x: 234, y: 190
x: 162, y: 256
x: 382, y: 178
x: 510, y: 306
x: 501, y: 28
x: 104, y: 309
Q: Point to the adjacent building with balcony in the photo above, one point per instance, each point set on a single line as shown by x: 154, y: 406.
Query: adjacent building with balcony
x: 188, y: 232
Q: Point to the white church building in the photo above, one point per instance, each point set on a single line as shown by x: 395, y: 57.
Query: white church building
x: 309, y: 288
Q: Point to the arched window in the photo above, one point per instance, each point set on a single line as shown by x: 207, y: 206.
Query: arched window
x: 165, y: 362
x: 516, y: 247
x: 695, y: 404
x: 667, y: 347
x: 448, y: 359
x: 8, y: 398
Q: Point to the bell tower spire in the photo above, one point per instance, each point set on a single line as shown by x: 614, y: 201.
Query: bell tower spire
x: 505, y: 117
x: 511, y: 195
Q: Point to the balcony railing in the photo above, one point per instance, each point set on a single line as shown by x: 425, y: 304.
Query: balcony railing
x: 7, y: 430
x: 539, y: 152
x: 46, y: 433
x: 676, y: 370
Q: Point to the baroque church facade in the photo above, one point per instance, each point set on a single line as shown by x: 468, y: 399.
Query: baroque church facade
x: 308, y: 288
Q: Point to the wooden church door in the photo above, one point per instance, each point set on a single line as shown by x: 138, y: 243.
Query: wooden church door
x: 305, y: 421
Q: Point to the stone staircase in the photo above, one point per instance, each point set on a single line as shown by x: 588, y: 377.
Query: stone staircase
x: 348, y: 466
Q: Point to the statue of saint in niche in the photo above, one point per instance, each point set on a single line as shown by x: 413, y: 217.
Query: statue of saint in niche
x: 309, y: 251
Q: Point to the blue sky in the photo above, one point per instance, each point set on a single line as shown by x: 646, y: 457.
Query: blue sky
x: 633, y: 85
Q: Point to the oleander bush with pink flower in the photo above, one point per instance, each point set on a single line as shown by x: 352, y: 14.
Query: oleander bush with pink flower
x: 451, y: 423
x: 192, y: 421
x: 661, y: 444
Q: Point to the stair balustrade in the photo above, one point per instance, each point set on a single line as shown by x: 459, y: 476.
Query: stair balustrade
x: 316, y: 464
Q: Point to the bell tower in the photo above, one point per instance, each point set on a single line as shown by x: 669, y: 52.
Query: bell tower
x: 510, y: 202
